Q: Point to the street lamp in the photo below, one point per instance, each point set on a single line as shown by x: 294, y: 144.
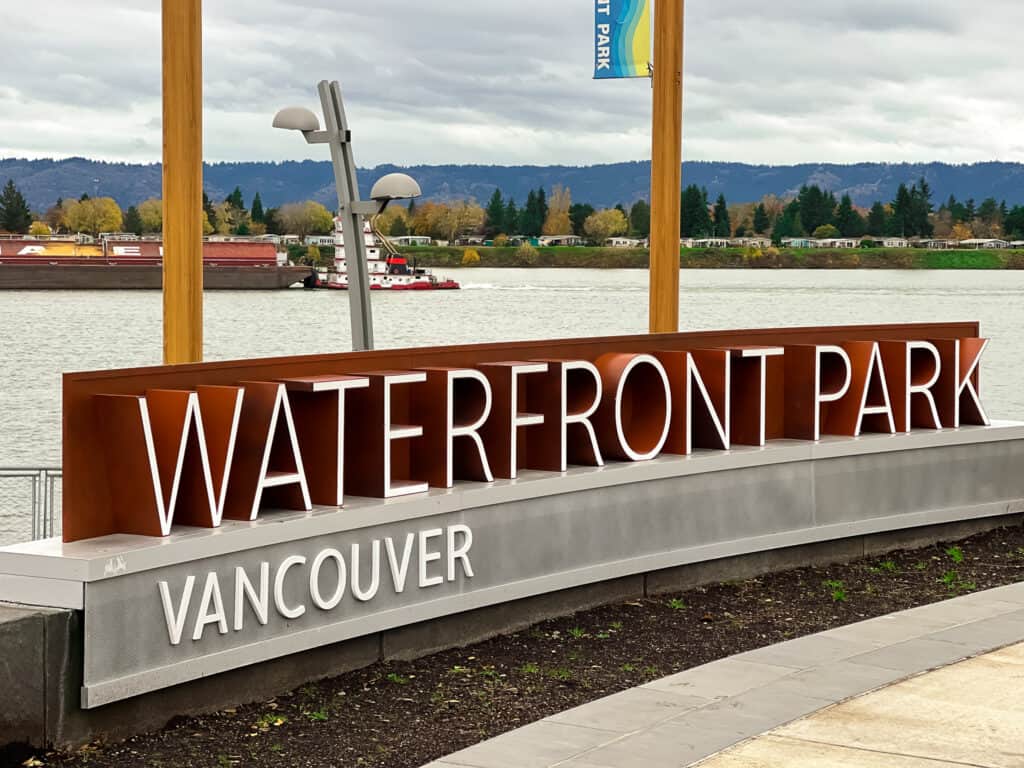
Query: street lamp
x: 394, y: 186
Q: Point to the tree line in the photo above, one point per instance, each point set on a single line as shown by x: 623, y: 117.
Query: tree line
x: 812, y: 212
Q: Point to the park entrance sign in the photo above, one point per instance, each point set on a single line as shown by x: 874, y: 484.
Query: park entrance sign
x: 219, y: 515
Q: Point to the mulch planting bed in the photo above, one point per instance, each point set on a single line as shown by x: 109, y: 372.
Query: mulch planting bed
x: 405, y: 714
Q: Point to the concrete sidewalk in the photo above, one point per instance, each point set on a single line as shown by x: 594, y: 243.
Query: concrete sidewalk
x: 693, y: 715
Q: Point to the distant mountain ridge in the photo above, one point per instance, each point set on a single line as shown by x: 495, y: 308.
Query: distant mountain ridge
x: 43, y: 181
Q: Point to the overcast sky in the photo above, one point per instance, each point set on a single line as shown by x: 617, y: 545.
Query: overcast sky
x: 494, y: 81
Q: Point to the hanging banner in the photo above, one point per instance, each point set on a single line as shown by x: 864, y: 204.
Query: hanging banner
x: 622, y: 38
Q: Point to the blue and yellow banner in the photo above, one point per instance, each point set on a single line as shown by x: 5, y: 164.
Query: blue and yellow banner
x: 622, y: 38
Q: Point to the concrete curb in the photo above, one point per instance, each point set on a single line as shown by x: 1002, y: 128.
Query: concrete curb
x: 688, y: 717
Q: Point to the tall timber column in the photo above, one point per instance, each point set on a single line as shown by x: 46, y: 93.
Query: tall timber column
x: 183, y: 180
x: 666, y: 165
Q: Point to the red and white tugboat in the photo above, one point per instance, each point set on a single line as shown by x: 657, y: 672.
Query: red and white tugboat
x: 389, y: 270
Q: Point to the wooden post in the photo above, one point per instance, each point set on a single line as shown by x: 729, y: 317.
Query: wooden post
x: 666, y: 162
x: 183, y: 181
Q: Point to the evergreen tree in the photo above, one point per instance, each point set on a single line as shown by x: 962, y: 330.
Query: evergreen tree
x: 789, y: 224
x: 270, y: 221
x: 970, y: 214
x: 761, y: 220
x: 579, y: 213
x: 695, y: 221
x: 817, y: 208
x: 723, y: 228
x: 531, y: 219
x: 511, y: 218
x: 1013, y: 223
x: 235, y: 200
x: 412, y: 209
x: 495, y: 213
x: 921, y: 209
x: 848, y: 221
x: 640, y: 219
x: 878, y: 220
x: 901, y: 223
x: 399, y: 228
x: 257, y: 213
x: 14, y: 213
x: 542, y: 208
x: 132, y: 220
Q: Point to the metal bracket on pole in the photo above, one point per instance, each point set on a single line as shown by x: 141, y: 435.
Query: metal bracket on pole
x: 339, y: 139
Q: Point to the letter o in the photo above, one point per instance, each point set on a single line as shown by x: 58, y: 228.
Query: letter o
x: 636, y: 410
x: 314, y: 580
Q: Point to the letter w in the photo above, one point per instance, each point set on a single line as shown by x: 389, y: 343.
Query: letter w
x: 183, y: 442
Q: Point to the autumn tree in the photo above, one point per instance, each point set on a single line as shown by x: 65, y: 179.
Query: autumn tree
x: 39, y: 229
x: 394, y: 217
x: 94, y: 215
x: 15, y: 215
x: 151, y: 213
x: 308, y: 218
x: 558, y: 221
x: 961, y: 231
x: 602, y: 225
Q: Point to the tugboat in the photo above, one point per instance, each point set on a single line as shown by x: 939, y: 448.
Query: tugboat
x: 389, y: 270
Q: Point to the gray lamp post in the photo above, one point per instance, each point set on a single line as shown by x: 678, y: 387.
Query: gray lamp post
x: 395, y: 186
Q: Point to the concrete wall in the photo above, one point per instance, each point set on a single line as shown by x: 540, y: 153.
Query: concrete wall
x: 41, y: 673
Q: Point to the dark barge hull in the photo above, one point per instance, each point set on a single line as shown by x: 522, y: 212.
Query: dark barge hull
x: 136, y: 277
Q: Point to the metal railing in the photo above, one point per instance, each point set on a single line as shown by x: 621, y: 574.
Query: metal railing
x: 30, y: 504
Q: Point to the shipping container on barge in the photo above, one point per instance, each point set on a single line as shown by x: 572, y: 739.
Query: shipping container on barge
x: 119, y: 262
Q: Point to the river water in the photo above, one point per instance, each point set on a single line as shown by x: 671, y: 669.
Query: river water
x: 46, y: 333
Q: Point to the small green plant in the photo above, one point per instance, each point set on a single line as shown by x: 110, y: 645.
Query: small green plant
x: 837, y: 589
x: 576, y: 633
x: 920, y: 566
x: 397, y: 679
x: 223, y: 761
x: 886, y: 566
x: 490, y: 672
x: 270, y: 720
x: 602, y: 635
x: 529, y: 668
x: 457, y: 669
x: 318, y: 716
x: 651, y: 670
x: 954, y: 583
x: 561, y: 674
x: 276, y: 747
x: 617, y: 625
x: 629, y: 667
x: 955, y: 554
x: 677, y: 604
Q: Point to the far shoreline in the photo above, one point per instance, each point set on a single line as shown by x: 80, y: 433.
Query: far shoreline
x: 450, y: 257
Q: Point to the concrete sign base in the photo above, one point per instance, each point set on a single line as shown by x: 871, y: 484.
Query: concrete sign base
x: 160, y: 612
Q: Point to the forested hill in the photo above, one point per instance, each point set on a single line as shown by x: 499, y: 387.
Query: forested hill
x: 43, y: 181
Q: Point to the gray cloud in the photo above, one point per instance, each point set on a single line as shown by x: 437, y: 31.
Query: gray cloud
x: 496, y: 82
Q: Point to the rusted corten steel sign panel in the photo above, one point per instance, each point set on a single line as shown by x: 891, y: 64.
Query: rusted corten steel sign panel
x: 223, y: 514
x: 194, y: 444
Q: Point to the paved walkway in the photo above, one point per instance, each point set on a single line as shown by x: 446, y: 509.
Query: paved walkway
x: 966, y: 714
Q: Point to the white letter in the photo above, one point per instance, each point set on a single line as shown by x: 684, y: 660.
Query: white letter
x: 399, y: 433
x: 462, y: 553
x: 467, y: 430
x: 368, y: 594
x: 176, y: 619
x: 620, y: 432
x: 426, y: 557
x: 965, y: 383
x: 211, y: 593
x: 761, y: 354
x: 582, y: 417
x: 279, y: 577
x: 399, y: 569
x: 886, y: 407
x: 314, y: 580
x: 260, y: 602
x: 828, y: 397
